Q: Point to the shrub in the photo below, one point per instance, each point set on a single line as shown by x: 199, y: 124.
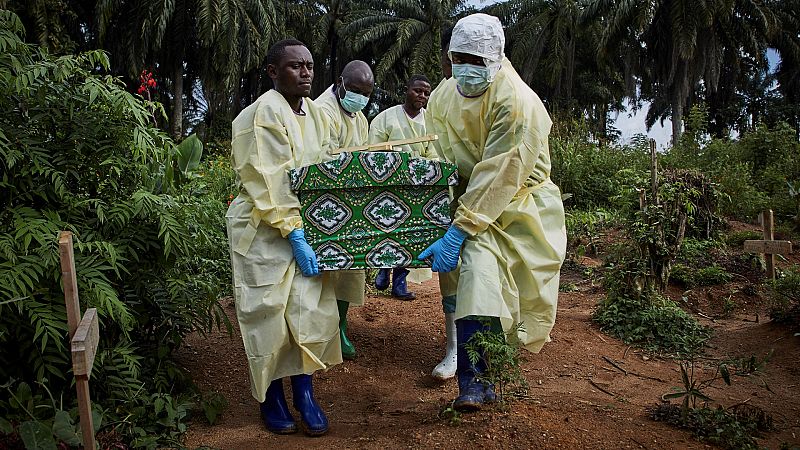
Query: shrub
x: 737, y: 238
x: 500, y: 352
x: 80, y: 153
x: 652, y: 322
x: 697, y: 249
x: 785, y: 303
x: 683, y: 205
x: 715, y: 425
x: 711, y: 275
x: 584, y: 228
x: 702, y: 276
x: 587, y: 172
x: 761, y: 170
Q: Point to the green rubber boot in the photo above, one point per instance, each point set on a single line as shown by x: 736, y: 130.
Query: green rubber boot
x: 348, y: 350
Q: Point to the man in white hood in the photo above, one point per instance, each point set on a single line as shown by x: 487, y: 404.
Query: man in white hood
x: 508, y: 228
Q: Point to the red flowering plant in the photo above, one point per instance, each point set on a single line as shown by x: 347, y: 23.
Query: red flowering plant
x: 146, y: 82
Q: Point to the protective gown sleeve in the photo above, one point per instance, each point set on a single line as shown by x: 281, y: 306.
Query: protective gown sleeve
x: 262, y: 165
x: 435, y: 125
x: 509, y: 157
x: 378, y: 131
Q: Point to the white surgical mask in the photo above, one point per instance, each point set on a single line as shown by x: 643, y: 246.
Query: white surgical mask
x: 472, y: 79
x: 353, y: 102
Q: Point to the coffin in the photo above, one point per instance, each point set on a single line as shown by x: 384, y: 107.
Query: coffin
x: 374, y: 209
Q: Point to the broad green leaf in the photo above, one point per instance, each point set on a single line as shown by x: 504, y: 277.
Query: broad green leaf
x: 189, y: 153
x: 97, y: 419
x: 36, y: 436
x: 64, y: 429
x: 673, y: 395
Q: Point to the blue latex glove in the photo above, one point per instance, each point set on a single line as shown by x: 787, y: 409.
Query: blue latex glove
x: 446, y: 250
x: 303, y: 253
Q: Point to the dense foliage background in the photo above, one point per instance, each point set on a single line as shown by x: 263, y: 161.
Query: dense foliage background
x: 80, y: 153
x: 588, y: 59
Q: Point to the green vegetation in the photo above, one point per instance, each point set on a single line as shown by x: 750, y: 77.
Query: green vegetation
x: 654, y: 323
x: 80, y: 153
x: 737, y: 238
x: 785, y: 307
x: 501, y: 353
x: 732, y: 428
x: 715, y: 425
x: 703, y: 276
x: 588, y: 59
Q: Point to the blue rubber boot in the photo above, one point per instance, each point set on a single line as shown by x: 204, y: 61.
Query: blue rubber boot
x: 399, y: 287
x: 470, y: 390
x: 312, y: 418
x: 382, y: 279
x: 275, y: 412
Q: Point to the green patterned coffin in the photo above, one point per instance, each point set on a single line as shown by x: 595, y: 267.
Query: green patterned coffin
x: 373, y: 209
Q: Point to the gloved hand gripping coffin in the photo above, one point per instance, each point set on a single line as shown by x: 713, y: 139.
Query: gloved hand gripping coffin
x: 373, y: 209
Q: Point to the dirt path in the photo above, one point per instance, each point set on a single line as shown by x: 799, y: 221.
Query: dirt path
x: 387, y: 399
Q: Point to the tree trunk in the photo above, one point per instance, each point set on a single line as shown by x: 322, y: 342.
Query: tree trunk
x: 570, y: 73
x: 177, y: 101
x: 677, y: 117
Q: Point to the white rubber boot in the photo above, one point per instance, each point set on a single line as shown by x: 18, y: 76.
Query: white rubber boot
x: 447, y: 368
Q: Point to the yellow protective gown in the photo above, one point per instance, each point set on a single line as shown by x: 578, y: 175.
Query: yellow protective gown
x: 394, y: 124
x: 448, y: 282
x: 346, y: 131
x: 506, y: 202
x: 289, y: 322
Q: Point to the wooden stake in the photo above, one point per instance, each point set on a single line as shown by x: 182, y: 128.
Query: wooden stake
x: 769, y: 234
x: 69, y: 281
x: 85, y: 411
x: 84, y: 336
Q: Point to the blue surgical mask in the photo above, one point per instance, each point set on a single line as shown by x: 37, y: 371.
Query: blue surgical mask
x: 353, y: 102
x: 472, y: 79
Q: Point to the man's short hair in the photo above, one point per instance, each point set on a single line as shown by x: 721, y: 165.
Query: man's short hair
x: 417, y: 77
x: 278, y: 50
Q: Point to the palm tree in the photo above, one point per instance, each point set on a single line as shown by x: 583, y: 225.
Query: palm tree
x: 683, y: 43
x: 58, y: 25
x: 787, y: 41
x: 403, y: 35
x: 224, y: 39
x: 542, y: 38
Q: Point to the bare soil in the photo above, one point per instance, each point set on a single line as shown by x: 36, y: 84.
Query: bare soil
x: 577, y: 397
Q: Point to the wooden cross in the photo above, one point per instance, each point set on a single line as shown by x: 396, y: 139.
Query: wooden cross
x: 768, y: 246
x: 84, y: 336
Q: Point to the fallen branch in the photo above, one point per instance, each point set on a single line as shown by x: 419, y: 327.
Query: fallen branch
x: 608, y: 360
x: 599, y: 337
x: 636, y: 374
x: 600, y: 388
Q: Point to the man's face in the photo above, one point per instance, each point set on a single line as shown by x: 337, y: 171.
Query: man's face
x: 466, y: 58
x: 363, y: 87
x: 417, y: 94
x: 293, y: 75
